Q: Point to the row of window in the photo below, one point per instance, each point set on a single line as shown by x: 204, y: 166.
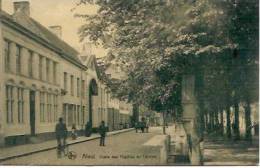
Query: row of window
x: 15, y: 97
x: 12, y: 93
x: 80, y: 85
x: 48, y: 107
x: 101, y: 114
x: 73, y: 114
x: 50, y: 64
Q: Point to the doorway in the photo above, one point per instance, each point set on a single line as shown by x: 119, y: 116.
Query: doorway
x: 32, y: 112
x: 93, y: 91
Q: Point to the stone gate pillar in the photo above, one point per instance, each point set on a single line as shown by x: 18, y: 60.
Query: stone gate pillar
x: 189, y: 116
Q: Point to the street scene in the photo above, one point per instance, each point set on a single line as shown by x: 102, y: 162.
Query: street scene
x: 89, y: 153
x: 129, y: 82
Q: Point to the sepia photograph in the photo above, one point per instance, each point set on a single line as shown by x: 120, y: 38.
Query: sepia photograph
x: 129, y: 83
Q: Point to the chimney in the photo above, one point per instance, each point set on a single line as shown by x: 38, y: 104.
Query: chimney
x: 57, y: 30
x: 23, y: 6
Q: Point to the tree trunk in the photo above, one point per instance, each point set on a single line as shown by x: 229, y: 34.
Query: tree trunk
x: 164, y: 123
x: 221, y: 122
x: 248, y: 121
x: 191, y: 124
x: 206, y: 122
x: 236, y: 124
x: 194, y: 139
x: 135, y: 113
x: 201, y: 115
x: 216, y: 122
x: 228, y: 122
x: 211, y: 116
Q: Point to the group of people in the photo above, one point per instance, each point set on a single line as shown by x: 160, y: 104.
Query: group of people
x: 143, y: 125
x: 62, y: 134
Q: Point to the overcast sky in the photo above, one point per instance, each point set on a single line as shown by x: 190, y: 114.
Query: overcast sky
x: 58, y: 12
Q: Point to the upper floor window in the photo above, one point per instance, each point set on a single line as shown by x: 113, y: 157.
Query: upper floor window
x: 72, y: 85
x: 40, y: 67
x: 7, y: 56
x: 83, y: 88
x: 30, y: 64
x: 47, y: 70
x: 65, y: 81
x: 54, y: 72
x: 18, y: 59
x: 78, y: 87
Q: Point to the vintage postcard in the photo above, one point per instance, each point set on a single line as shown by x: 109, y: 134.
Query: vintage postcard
x: 129, y: 82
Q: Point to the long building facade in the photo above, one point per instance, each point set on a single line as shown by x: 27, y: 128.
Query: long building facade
x: 42, y: 78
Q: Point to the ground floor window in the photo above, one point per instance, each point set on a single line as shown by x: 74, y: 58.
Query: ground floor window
x: 55, y: 107
x: 65, y: 109
x: 20, y: 103
x: 49, y: 107
x: 42, y: 106
x: 78, y: 115
x: 9, y: 103
x: 83, y: 114
x: 70, y: 115
x: 73, y: 114
x: 100, y: 115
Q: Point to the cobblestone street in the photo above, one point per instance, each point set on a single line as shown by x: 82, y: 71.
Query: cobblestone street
x: 122, y: 149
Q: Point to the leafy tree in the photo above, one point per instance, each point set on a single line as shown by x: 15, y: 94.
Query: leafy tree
x: 157, y: 41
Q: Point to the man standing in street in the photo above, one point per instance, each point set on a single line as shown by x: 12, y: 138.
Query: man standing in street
x: 136, y: 127
x: 61, y: 136
x: 143, y: 124
x: 102, y: 131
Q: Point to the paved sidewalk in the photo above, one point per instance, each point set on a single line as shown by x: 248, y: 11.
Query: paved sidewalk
x: 220, y: 152
x: 28, y: 149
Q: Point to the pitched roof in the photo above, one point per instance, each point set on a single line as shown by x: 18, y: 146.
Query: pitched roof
x: 38, y: 32
x: 90, y: 61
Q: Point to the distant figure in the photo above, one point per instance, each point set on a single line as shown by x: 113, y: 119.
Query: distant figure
x: 88, y: 128
x: 61, y: 136
x: 143, y: 124
x: 256, y: 128
x: 136, y: 127
x: 234, y: 127
x: 102, y: 131
x: 147, y: 127
x: 73, y: 132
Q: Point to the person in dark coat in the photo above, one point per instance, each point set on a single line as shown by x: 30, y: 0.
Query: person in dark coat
x: 256, y: 128
x: 143, y: 124
x: 102, y: 131
x: 61, y: 136
x: 136, y: 127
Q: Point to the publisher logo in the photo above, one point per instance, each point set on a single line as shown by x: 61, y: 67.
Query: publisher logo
x: 72, y: 155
